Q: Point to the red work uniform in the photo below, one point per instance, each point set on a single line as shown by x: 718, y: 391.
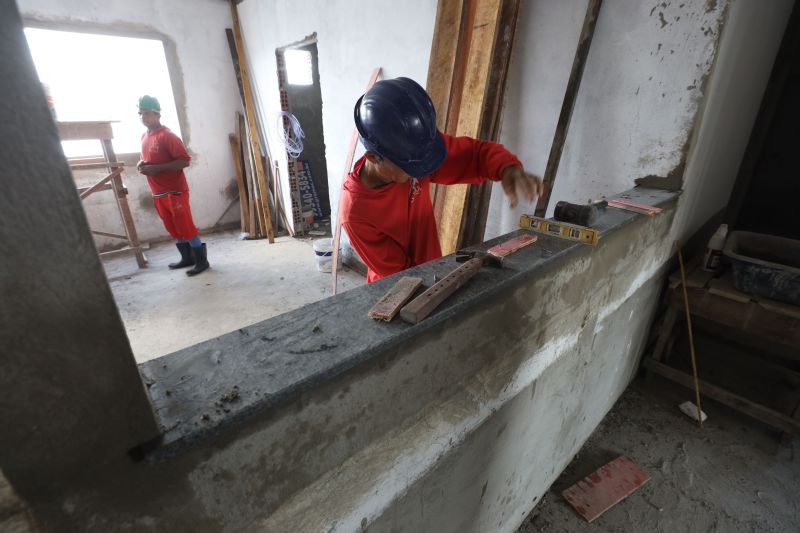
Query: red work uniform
x: 170, y: 190
x: 393, y: 227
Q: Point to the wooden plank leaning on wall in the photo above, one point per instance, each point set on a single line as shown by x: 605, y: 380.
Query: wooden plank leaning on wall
x: 252, y: 127
x: 470, y: 54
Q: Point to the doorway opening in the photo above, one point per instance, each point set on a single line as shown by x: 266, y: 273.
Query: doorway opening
x: 301, y: 98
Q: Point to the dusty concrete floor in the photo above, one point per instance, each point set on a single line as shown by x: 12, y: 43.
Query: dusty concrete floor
x: 734, y: 475
x: 249, y: 281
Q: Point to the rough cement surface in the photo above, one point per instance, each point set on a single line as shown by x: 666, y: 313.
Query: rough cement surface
x: 310, y: 345
x: 65, y: 362
x: 733, y: 475
x: 249, y: 281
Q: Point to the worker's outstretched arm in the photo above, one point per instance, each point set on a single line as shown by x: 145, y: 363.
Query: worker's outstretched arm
x: 474, y: 161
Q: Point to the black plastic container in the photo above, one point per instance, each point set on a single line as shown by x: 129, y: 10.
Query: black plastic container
x: 765, y: 265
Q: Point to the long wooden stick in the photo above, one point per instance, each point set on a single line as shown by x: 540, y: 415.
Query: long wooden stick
x: 100, y: 184
x: 237, y: 166
x: 574, y: 83
x: 351, y: 152
x: 691, y: 340
x: 251, y: 123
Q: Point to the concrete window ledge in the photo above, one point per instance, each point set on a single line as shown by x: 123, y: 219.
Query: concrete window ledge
x: 326, y: 418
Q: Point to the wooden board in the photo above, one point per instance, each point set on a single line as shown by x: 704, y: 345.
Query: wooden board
x: 723, y: 286
x: 512, y: 245
x: 255, y: 146
x: 780, y: 307
x: 100, y: 185
x: 607, y: 486
x: 777, y: 331
x: 84, y: 131
x: 91, y: 166
x: 236, y: 150
x: 466, y: 109
x: 627, y: 205
x: 429, y: 300
x: 389, y: 305
x: 697, y: 278
x: 739, y: 403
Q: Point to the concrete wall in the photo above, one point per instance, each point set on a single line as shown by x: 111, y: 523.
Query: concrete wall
x: 353, y: 38
x: 747, y: 50
x: 457, y: 424
x: 644, y: 84
x: 72, y: 398
x: 640, y: 92
x: 204, y: 86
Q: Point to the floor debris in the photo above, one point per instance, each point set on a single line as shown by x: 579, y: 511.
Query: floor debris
x: 604, y: 488
x: 690, y: 409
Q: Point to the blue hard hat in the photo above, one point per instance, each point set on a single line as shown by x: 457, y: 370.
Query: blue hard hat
x: 396, y: 120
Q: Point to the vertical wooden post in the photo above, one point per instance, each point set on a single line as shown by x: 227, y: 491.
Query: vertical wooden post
x: 466, y: 79
x: 237, y: 165
x: 251, y: 121
x: 124, y: 208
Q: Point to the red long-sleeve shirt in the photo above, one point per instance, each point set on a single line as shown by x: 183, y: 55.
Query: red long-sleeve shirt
x: 392, y: 227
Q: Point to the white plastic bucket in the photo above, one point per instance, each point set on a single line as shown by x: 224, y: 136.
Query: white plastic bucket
x: 323, y: 254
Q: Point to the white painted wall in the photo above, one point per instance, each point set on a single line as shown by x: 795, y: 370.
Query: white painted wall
x: 203, y: 81
x: 354, y: 37
x: 640, y: 91
x: 747, y: 50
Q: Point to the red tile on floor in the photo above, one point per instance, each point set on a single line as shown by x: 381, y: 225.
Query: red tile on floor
x: 604, y: 488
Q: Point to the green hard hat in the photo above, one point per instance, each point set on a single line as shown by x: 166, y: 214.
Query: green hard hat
x: 149, y: 102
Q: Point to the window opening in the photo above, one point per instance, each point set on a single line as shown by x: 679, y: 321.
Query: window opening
x: 298, y: 67
x: 88, y: 77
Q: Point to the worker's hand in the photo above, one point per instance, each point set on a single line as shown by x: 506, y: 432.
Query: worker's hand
x: 518, y: 182
x: 149, y: 170
x: 139, y: 165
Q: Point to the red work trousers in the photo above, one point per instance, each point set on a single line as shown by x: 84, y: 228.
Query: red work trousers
x: 176, y: 214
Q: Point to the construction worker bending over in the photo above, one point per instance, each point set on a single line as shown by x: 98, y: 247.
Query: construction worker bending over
x: 163, y: 159
x: 386, y: 206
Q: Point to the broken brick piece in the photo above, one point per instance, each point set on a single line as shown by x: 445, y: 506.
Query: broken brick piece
x: 605, y: 487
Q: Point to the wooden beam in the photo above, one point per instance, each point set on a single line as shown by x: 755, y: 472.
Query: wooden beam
x: 467, y: 105
x: 122, y: 201
x: 476, y: 210
x: 574, y: 83
x: 82, y: 131
x: 122, y: 251
x: 444, y: 53
x: 469, y: 62
x: 445, y: 60
x: 251, y: 122
x: 100, y: 185
x: 237, y: 165
x: 105, y: 187
x: 734, y: 401
x: 91, y: 166
x: 107, y: 234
